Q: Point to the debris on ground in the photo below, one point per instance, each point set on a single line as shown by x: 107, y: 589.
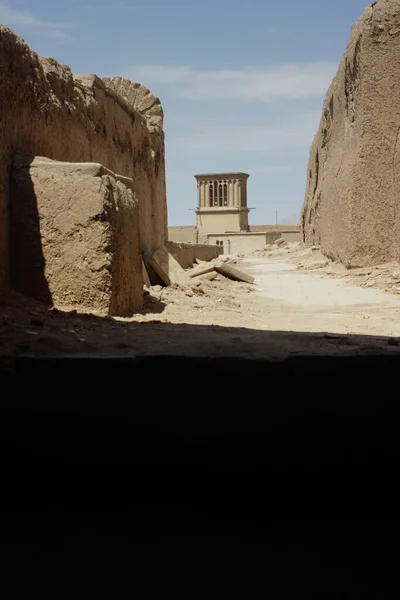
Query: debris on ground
x: 166, y: 267
x: 201, y: 270
x: 233, y: 273
x: 146, y: 278
x: 385, y: 277
x: 224, y: 258
x: 314, y: 265
x: 217, y: 282
x: 212, y: 301
x: 223, y: 267
x: 205, y: 277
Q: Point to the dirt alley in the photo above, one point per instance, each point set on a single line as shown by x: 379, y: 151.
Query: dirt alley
x: 296, y: 291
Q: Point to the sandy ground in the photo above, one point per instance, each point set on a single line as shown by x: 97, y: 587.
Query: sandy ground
x: 296, y: 292
x: 293, y: 299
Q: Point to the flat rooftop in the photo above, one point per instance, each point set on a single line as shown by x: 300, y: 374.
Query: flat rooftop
x: 224, y: 175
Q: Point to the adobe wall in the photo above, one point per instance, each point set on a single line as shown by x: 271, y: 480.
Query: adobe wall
x: 220, y: 220
x: 290, y: 233
x: 243, y: 243
x: 184, y: 234
x: 186, y: 254
x: 45, y: 111
x: 75, y: 236
x: 352, y: 200
x: 187, y: 233
x: 278, y: 228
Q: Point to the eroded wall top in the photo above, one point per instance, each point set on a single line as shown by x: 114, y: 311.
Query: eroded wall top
x: 46, y: 111
x: 140, y: 99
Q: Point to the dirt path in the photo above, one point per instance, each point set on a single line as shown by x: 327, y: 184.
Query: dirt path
x: 289, y: 299
x: 300, y: 304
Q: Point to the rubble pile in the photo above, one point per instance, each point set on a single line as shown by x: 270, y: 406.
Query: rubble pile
x: 208, y: 283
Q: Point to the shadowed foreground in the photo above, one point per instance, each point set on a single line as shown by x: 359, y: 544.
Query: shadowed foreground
x: 298, y: 456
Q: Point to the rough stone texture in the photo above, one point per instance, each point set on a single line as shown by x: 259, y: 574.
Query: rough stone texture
x: 45, y: 111
x: 74, y: 236
x: 352, y: 201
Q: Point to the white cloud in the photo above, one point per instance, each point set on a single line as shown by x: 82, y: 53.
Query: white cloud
x: 268, y: 84
x: 280, y: 138
x: 19, y: 18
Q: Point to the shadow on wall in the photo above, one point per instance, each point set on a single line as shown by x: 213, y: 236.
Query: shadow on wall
x: 27, y: 263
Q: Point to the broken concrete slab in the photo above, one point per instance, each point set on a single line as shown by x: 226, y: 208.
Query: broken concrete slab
x: 209, y: 276
x: 206, y: 277
x: 232, y: 272
x: 202, y: 270
x: 225, y: 258
x: 146, y: 278
x: 280, y: 242
x: 167, y: 268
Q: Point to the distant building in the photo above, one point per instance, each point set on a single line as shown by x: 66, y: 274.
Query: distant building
x: 221, y: 203
x: 222, y: 217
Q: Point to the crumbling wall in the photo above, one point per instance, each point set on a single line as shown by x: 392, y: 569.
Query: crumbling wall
x: 140, y: 99
x: 352, y: 200
x: 186, y: 254
x: 75, y: 236
x: 45, y: 111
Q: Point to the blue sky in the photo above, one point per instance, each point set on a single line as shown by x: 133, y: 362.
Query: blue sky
x: 241, y: 82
